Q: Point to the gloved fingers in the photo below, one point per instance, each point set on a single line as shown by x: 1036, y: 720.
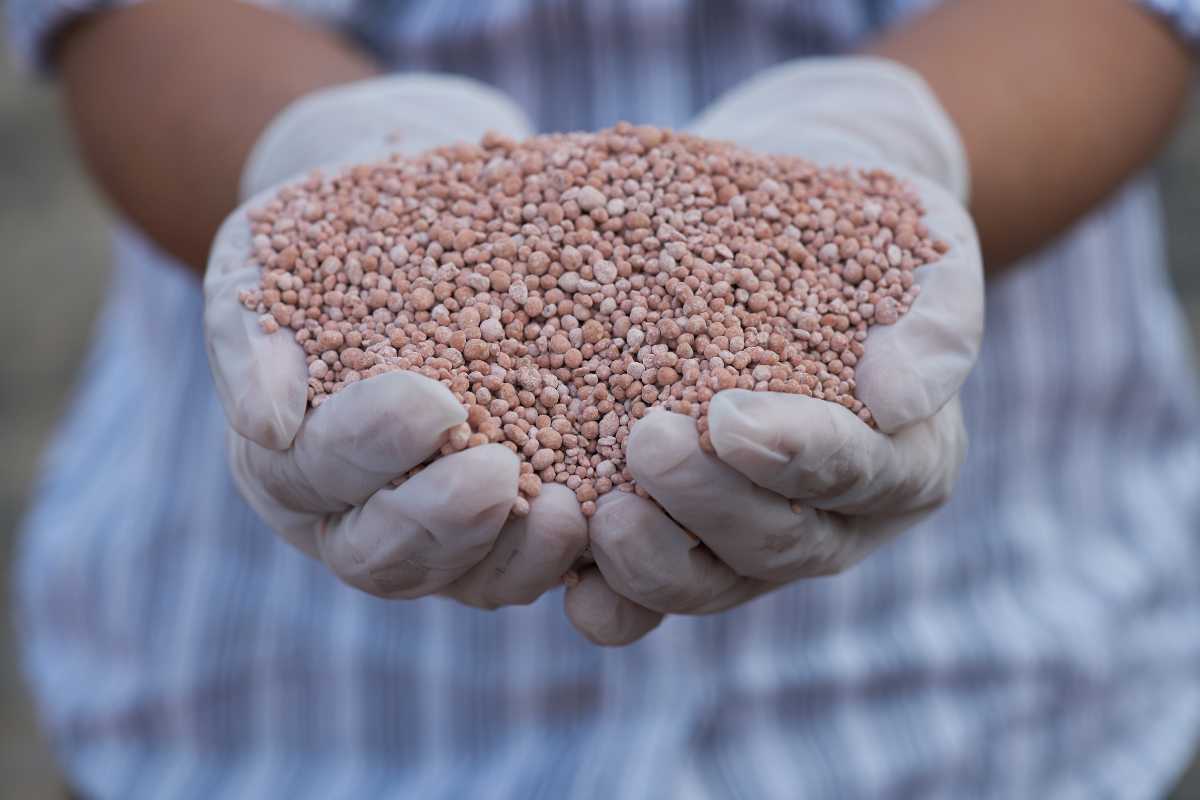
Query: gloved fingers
x: 603, y: 616
x: 649, y: 559
x: 912, y: 368
x: 822, y: 455
x: 373, y: 431
x: 298, y: 528
x: 530, y: 556
x: 261, y: 378
x: 757, y: 532
x: 405, y: 541
x: 357, y: 442
x: 417, y: 538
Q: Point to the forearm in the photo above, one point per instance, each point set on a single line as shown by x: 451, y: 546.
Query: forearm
x: 1058, y: 102
x: 167, y: 98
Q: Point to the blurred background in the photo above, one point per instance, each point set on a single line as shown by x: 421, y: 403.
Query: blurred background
x: 52, y: 230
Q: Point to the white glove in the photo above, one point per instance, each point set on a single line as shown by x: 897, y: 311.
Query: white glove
x: 323, y: 480
x: 801, y: 487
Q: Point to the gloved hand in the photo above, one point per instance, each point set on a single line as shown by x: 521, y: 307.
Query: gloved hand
x: 801, y: 487
x: 324, y: 480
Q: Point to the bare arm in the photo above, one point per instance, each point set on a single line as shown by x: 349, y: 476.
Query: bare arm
x: 1058, y: 103
x: 167, y: 99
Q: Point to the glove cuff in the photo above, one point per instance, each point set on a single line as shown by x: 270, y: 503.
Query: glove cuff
x: 413, y: 112
x: 862, y: 108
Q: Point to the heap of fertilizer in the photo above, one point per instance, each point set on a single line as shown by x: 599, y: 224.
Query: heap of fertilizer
x: 562, y: 286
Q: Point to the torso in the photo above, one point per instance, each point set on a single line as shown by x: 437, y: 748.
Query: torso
x: 1036, y: 638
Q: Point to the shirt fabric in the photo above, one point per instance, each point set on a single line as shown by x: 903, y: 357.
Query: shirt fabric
x: 1036, y: 638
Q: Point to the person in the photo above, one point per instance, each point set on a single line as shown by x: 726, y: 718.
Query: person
x: 1035, y: 637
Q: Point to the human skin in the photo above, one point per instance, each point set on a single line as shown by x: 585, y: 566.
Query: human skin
x: 1058, y: 103
x: 167, y: 98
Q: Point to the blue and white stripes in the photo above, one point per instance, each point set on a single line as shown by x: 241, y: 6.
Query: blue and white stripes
x: 1037, y: 638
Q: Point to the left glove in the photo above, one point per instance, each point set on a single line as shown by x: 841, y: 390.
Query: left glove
x: 801, y: 487
x: 324, y: 479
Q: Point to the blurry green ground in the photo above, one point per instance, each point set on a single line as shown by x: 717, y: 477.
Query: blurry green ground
x: 52, y: 233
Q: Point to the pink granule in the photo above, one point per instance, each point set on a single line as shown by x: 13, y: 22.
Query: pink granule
x: 562, y: 286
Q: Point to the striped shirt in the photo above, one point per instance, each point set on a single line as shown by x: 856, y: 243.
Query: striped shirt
x: 1037, y: 638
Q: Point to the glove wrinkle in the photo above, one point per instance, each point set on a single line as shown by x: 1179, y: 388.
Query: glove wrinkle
x: 604, y: 617
x: 653, y: 447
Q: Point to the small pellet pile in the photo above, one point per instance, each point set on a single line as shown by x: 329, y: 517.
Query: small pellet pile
x: 562, y: 286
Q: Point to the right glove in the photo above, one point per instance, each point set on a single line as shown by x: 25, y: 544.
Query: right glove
x: 324, y: 479
x: 800, y: 487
